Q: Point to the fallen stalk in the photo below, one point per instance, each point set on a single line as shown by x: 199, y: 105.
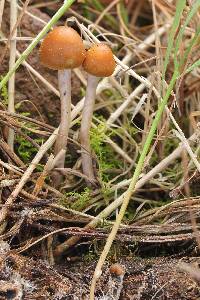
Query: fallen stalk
x: 11, y: 83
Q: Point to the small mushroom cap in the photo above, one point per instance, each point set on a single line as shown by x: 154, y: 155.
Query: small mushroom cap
x: 117, y: 269
x: 62, y: 48
x: 99, y: 61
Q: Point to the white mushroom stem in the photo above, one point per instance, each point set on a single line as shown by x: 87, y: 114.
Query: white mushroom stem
x: 64, y: 82
x: 86, y: 122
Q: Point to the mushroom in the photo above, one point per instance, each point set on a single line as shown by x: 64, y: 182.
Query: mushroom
x: 62, y: 49
x: 99, y: 62
x: 117, y: 269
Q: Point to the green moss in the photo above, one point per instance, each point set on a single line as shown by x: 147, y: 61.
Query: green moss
x: 24, y: 148
x: 106, y: 157
x: 77, y: 201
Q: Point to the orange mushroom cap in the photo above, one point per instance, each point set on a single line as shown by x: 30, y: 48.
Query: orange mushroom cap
x: 62, y: 48
x: 99, y: 61
x: 117, y: 269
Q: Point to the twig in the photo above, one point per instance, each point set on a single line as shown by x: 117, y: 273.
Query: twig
x: 115, y: 115
x: 11, y: 167
x: 2, y: 2
x: 12, y: 32
x: 11, y: 83
x: 179, y: 133
x: 11, y: 154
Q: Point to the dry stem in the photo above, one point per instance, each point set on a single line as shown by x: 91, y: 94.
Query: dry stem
x: 11, y: 83
x: 2, y: 2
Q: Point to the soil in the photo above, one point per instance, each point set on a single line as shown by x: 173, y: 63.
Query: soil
x: 144, y: 279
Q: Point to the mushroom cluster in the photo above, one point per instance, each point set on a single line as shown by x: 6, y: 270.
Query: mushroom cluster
x: 63, y: 50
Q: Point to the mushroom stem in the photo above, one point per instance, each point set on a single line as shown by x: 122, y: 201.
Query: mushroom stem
x: 86, y: 122
x: 64, y: 82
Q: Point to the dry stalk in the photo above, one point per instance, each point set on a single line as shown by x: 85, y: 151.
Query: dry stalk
x: 16, y: 24
x: 11, y: 167
x: 40, y: 181
x: 11, y: 83
x: 50, y: 165
x: 2, y: 3
x: 179, y: 133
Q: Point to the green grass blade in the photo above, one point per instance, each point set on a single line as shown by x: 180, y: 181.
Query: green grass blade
x: 190, y: 15
x: 179, y: 10
x: 193, y: 66
x: 190, y: 46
